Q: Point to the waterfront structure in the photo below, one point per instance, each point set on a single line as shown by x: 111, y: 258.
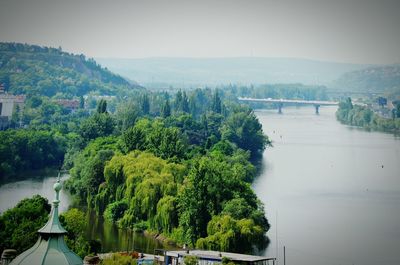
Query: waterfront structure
x: 210, y: 257
x: 50, y: 248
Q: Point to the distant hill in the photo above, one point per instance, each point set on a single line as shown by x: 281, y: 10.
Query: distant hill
x: 384, y: 78
x: 189, y: 72
x: 32, y: 69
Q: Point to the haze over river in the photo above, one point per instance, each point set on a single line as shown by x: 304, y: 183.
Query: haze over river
x: 331, y: 192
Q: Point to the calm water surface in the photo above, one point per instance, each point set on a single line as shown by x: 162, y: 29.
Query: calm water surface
x: 40, y: 183
x: 331, y: 192
x: 112, y: 238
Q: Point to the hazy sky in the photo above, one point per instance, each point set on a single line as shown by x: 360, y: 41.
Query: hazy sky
x: 359, y: 31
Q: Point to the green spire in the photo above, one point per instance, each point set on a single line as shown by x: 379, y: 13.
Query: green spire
x: 54, y: 226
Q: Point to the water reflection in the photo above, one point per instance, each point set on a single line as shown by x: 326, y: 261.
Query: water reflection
x: 116, y: 239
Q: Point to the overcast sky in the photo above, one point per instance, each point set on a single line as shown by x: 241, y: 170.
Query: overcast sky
x: 357, y: 31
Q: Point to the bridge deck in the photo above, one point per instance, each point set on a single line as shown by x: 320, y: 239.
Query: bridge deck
x: 296, y: 101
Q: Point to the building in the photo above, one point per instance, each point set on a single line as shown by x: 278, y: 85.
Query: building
x: 209, y: 257
x: 50, y: 249
x: 8, y: 105
x: 69, y: 104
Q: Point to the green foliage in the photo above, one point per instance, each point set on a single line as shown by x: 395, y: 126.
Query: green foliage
x: 144, y: 188
x: 36, y: 70
x: 115, y: 210
x: 118, y: 259
x: 216, y: 103
x: 74, y: 222
x: 190, y: 260
x: 145, y: 104
x: 181, y: 102
x: 87, y: 173
x: 29, y: 149
x: 148, y: 183
x: 165, y: 142
x: 127, y: 114
x: 213, y: 182
x: 243, y: 129
x: 166, y: 109
x: 228, y: 234
x: 102, y: 106
x: 19, y: 225
x: 363, y: 116
x: 97, y: 125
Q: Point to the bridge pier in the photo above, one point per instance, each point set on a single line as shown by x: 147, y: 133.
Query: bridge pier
x: 280, y: 106
x: 317, y: 108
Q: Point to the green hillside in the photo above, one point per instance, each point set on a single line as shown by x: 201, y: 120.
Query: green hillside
x: 35, y: 70
x: 384, y: 78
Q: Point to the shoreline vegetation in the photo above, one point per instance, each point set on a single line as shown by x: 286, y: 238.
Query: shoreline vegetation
x: 363, y: 117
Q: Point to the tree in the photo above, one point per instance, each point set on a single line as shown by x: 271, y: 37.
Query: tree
x: 216, y: 103
x: 185, y: 103
x: 166, y: 109
x: 382, y: 101
x: 19, y: 225
x: 178, y: 101
x: 145, y: 104
x: 127, y: 114
x: 97, y: 125
x: 102, y: 106
x: 75, y: 223
x: 81, y: 102
x: 115, y: 210
x: 244, y: 129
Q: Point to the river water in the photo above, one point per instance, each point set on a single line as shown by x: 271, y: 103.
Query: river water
x: 331, y: 192
x: 37, y: 183
x: 111, y: 237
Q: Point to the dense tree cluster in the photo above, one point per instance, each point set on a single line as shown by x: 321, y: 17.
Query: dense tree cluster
x: 364, y: 117
x: 176, y: 170
x: 19, y: 225
x: 29, y: 149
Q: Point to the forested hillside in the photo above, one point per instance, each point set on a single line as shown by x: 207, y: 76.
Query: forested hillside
x: 35, y: 70
x: 373, y: 79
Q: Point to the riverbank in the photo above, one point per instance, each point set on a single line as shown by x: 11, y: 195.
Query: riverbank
x: 364, y: 117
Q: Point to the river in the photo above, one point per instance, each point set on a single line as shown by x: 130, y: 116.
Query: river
x: 331, y: 191
x: 112, y: 238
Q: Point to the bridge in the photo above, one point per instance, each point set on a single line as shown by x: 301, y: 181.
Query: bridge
x: 280, y: 102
